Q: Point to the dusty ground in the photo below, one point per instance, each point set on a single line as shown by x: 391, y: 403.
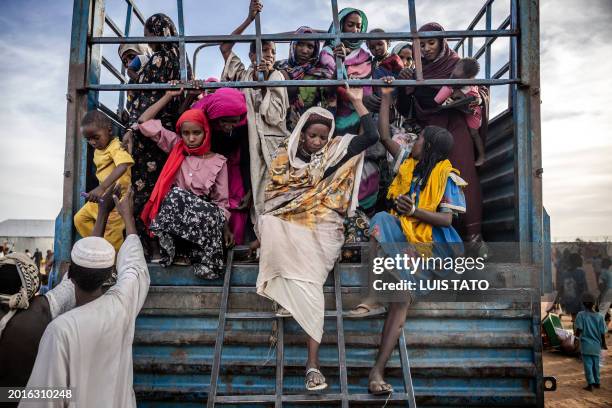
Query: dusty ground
x: 570, y: 381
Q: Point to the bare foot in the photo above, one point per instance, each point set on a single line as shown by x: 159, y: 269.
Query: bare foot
x: 377, y: 384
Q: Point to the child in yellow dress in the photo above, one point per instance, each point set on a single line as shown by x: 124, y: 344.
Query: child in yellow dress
x: 113, y: 164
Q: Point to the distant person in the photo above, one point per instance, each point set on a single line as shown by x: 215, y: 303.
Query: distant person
x: 113, y: 165
x: 28, y: 253
x: 591, y: 330
x: 605, y: 286
x: 572, y: 285
x: 90, y: 347
x: 48, y: 262
x: 37, y: 258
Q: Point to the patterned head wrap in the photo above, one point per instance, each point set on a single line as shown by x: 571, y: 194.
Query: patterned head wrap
x: 30, y: 283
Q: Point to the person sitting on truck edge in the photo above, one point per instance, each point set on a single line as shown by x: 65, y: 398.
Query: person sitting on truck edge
x: 591, y: 330
x: 438, y: 61
x: 357, y: 64
x: 21, y: 336
x: 426, y: 193
x: 313, y: 187
x: 267, y: 107
x: 163, y: 67
x: 466, y: 68
x: 188, y: 209
x: 113, y: 164
x: 89, y: 349
x: 303, y: 64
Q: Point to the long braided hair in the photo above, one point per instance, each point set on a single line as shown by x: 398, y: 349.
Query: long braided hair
x: 437, y: 146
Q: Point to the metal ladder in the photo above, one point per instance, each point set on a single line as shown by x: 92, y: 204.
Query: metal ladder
x: 344, y: 397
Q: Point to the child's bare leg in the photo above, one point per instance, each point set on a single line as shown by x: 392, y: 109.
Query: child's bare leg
x: 394, y: 324
x: 479, y: 147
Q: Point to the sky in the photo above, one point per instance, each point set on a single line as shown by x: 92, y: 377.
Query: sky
x: 575, y: 89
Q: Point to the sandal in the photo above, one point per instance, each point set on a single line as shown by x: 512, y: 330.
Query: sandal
x: 281, y: 311
x: 308, y: 382
x: 384, y: 388
x: 370, y: 310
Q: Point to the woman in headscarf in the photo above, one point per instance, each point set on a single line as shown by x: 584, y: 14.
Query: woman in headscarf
x: 403, y: 50
x: 162, y: 67
x: 439, y: 60
x: 357, y: 65
x: 226, y: 111
x: 312, y: 189
x: 302, y: 64
x: 127, y: 53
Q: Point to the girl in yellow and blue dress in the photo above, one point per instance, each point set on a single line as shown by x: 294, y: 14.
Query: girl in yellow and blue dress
x: 425, y: 194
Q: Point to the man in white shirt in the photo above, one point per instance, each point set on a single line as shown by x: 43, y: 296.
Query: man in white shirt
x: 89, y: 349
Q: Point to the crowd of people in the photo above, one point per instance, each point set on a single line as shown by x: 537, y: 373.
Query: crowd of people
x: 293, y: 172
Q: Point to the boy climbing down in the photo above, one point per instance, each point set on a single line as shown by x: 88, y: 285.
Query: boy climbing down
x: 466, y: 68
x: 591, y: 330
x: 113, y: 164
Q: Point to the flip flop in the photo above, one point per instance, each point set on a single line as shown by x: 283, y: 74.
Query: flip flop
x: 181, y: 261
x: 370, y: 311
x: 381, y: 391
x: 319, y: 387
x: 281, y: 311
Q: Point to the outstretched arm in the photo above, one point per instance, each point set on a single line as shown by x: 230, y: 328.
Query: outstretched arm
x: 255, y: 7
x: 105, y: 207
x: 153, y: 110
x: 384, y: 126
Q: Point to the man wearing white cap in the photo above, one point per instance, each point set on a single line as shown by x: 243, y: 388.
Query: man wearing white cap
x: 89, y: 349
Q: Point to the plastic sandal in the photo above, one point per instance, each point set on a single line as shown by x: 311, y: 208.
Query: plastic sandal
x: 319, y: 387
x: 370, y: 311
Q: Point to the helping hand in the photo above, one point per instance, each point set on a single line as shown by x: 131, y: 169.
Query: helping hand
x: 125, y: 204
x: 107, y: 204
x: 95, y: 195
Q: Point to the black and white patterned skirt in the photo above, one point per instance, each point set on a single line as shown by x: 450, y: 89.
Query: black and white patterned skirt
x: 193, y: 227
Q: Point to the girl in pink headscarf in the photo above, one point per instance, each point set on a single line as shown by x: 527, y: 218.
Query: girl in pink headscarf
x: 226, y: 111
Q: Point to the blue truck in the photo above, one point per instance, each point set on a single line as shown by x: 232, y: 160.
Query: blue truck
x: 217, y: 343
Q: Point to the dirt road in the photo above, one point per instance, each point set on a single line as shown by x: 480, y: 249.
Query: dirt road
x: 570, y: 381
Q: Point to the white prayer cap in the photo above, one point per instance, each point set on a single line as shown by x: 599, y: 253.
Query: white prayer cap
x: 93, y: 253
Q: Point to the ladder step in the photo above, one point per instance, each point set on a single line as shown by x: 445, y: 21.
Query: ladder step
x: 304, y: 398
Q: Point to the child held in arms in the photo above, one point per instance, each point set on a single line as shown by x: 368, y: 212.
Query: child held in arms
x: 188, y: 209
x: 113, y: 164
x: 591, y: 330
x: 466, y: 68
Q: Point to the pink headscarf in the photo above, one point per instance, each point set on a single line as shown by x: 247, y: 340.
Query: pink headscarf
x: 224, y: 102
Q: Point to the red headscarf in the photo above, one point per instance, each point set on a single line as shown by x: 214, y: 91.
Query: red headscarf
x: 224, y: 102
x: 443, y: 65
x: 173, y: 164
